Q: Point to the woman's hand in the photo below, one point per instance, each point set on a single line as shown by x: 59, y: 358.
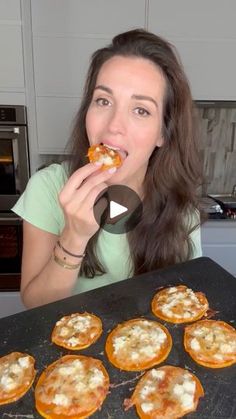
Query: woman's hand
x: 77, y: 200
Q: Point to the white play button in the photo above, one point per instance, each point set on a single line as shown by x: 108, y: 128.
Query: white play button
x: 116, y: 209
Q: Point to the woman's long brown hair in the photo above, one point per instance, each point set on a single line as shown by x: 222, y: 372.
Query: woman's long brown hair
x: 170, y: 202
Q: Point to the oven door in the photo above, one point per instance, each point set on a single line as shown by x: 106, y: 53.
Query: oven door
x: 14, y: 164
x: 11, y: 242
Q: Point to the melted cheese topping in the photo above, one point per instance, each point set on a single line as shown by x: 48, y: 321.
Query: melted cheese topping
x: 142, y: 340
x: 211, y: 341
x: 72, y: 382
x: 77, y: 330
x: 16, y: 374
x: 166, y: 392
x: 12, y: 373
x: 138, y: 341
x: 105, y: 159
x: 179, y: 303
x: 109, y: 157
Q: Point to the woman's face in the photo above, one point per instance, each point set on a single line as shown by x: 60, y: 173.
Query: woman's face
x: 126, y: 112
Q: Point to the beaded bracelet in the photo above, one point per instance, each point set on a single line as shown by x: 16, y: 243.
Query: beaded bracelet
x: 67, y: 251
x: 64, y: 264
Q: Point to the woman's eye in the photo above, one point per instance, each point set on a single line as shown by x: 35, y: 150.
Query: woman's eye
x: 101, y: 101
x: 141, y: 111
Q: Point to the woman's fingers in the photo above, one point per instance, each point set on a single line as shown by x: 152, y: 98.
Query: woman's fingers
x: 97, y: 192
x: 77, y: 178
x: 78, y: 198
x: 72, y: 194
x: 83, y: 200
x: 79, y: 215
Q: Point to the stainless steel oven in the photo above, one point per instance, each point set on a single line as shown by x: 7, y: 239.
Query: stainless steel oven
x: 14, y: 175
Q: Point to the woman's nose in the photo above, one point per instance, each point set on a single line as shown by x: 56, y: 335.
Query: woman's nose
x: 117, y: 122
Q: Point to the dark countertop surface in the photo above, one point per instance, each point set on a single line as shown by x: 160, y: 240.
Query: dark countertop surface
x: 30, y: 332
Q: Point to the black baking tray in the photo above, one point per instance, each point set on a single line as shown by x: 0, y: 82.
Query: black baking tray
x: 30, y: 332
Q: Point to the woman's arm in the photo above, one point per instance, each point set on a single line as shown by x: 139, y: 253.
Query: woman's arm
x: 43, y: 280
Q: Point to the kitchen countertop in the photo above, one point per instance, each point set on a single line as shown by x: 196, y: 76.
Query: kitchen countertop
x: 30, y: 332
x: 221, y: 218
x: 223, y: 222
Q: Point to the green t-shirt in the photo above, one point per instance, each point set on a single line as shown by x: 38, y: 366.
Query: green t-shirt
x: 39, y: 206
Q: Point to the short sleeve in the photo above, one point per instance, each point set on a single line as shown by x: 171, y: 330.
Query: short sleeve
x: 39, y: 203
x: 195, y: 235
x: 196, y: 243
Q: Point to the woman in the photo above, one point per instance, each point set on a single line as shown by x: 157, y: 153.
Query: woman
x: 136, y: 98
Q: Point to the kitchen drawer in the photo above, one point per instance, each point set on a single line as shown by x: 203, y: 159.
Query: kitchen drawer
x: 219, y: 232
x: 224, y: 255
x: 10, y: 303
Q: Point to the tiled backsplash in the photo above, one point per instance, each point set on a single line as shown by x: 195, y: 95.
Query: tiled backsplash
x: 218, y: 138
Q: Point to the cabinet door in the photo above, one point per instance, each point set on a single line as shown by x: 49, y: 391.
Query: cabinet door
x: 219, y: 243
x: 92, y: 17
x: 204, y: 33
x: 11, y: 53
x: 10, y: 10
x: 224, y: 255
x: 10, y: 303
x: 65, y: 34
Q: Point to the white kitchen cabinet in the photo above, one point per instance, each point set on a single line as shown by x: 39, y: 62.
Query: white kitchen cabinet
x: 54, y: 132
x: 10, y: 10
x: 204, y: 34
x: 65, y: 34
x: 94, y: 17
x: 11, y: 68
x: 219, y: 243
x: 10, y: 303
x: 12, y: 84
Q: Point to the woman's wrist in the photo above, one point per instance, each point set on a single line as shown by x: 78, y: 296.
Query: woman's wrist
x: 68, y: 252
x: 64, y: 262
x: 72, y: 244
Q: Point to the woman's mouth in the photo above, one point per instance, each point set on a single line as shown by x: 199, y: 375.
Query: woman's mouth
x: 123, y: 153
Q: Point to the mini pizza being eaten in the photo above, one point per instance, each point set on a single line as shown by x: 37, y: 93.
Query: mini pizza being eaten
x: 74, y: 386
x: 166, y: 392
x: 138, y: 344
x: 211, y: 343
x: 108, y: 156
x: 179, y: 304
x: 77, y: 331
x: 17, y: 374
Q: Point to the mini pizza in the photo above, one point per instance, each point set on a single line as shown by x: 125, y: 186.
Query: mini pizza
x: 74, y: 386
x: 109, y: 157
x: 138, y: 344
x: 77, y: 331
x: 166, y: 392
x: 17, y: 374
x: 179, y: 304
x: 211, y: 343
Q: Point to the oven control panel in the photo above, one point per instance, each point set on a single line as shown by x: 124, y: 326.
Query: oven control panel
x: 13, y: 115
x: 7, y: 114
